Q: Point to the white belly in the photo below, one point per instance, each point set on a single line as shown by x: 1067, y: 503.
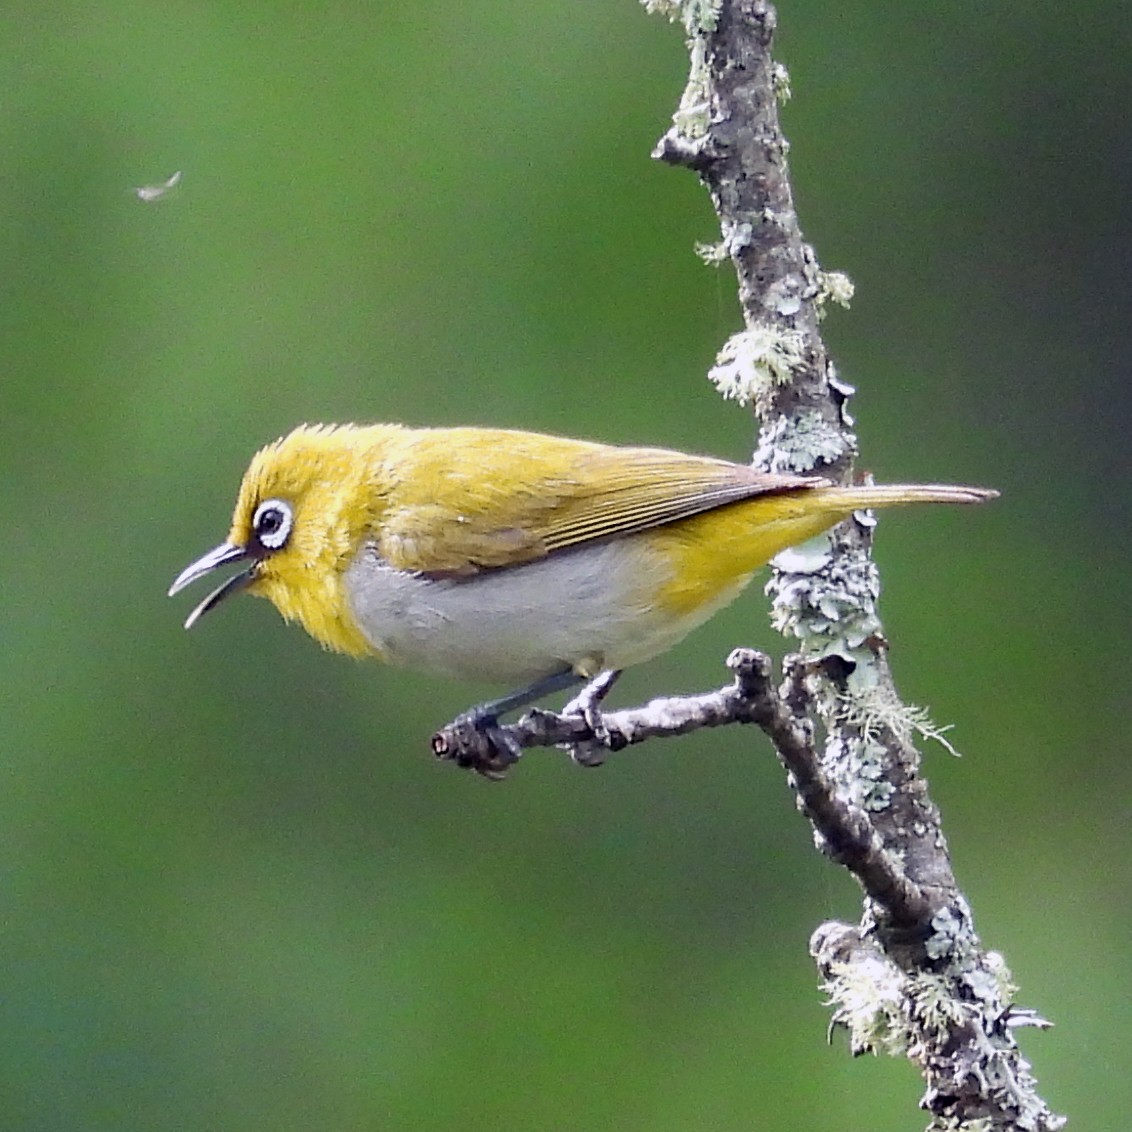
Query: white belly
x: 588, y: 609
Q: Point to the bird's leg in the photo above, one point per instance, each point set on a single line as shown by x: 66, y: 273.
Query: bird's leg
x: 587, y: 704
x: 493, y: 709
x: 474, y: 738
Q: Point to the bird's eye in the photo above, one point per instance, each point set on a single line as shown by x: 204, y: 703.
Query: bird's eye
x: 272, y: 523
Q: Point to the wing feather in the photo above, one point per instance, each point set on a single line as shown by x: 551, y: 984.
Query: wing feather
x: 472, y: 499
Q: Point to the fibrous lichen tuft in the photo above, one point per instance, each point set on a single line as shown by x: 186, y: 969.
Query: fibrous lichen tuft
x: 754, y: 363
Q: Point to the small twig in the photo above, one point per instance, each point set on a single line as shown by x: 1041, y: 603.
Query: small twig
x: 658, y: 719
x: 590, y: 735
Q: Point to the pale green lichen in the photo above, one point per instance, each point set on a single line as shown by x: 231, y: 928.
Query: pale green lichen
x: 868, y: 998
x: 699, y: 17
x: 827, y: 604
x: 780, y: 80
x: 670, y: 9
x: 834, y: 287
x: 807, y: 557
x: 866, y: 773
x: 693, y: 115
x: 876, y: 709
x: 948, y: 1020
x: 736, y: 237
x: 917, y: 1015
x: 954, y: 1124
x: 949, y: 933
x: 789, y: 445
x: 1005, y: 987
x: 920, y: 720
x: 754, y: 363
x: 887, y: 1011
x: 934, y: 1008
x: 734, y: 240
x: 874, y: 790
x: 991, y: 982
x: 712, y: 254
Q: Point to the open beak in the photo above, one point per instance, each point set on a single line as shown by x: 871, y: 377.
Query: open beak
x: 214, y: 559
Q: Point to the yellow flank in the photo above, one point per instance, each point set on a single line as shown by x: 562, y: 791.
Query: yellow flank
x: 383, y: 519
x: 715, y: 554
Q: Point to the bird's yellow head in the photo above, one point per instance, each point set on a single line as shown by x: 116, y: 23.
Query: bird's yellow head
x: 305, y: 507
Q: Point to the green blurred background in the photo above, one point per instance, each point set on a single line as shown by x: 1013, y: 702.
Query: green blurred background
x: 235, y: 890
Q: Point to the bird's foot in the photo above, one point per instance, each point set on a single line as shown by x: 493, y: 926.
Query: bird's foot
x: 475, y: 740
x: 478, y: 741
x: 587, y: 704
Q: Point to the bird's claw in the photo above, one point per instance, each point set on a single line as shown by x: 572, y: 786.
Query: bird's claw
x: 477, y: 742
x: 587, y: 704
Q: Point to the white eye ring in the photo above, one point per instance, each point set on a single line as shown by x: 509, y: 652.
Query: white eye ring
x: 272, y: 523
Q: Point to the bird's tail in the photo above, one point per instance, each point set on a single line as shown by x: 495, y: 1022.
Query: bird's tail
x: 889, y: 495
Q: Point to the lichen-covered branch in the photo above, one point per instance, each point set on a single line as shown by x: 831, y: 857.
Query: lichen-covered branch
x: 912, y: 978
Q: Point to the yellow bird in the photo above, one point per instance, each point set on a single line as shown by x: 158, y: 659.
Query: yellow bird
x: 507, y: 556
